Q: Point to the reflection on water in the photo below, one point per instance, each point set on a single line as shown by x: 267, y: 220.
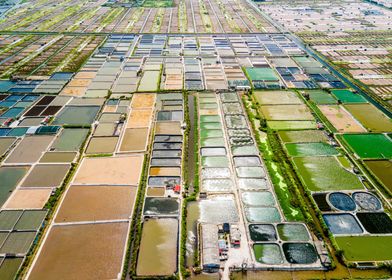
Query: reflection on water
x: 217, y: 185
x: 252, y: 184
x: 262, y: 214
x: 258, y: 198
x: 161, y: 206
x: 212, y: 173
x: 262, y: 232
x: 218, y: 209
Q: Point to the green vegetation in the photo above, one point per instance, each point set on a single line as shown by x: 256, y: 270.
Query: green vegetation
x: 302, y: 136
x: 182, y: 18
x: 310, y: 149
x: 185, y: 272
x: 375, y: 146
x: 365, y: 248
x: 347, y: 96
x: 325, y: 174
x: 135, y: 232
x: 261, y: 74
x: 205, y: 17
x: 156, y: 25
x: 321, y: 97
x: 285, y: 186
x: 157, y: 3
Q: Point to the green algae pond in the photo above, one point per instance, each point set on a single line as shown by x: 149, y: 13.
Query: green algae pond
x: 261, y: 74
x: 8, y: 219
x: 325, y: 174
x: 302, y: 136
x: 70, y: 139
x: 262, y: 214
x: 212, y: 142
x: 310, y: 149
x: 58, y: 157
x: 347, y: 96
x: 158, y: 248
x: 300, y: 253
x: 210, y: 125
x: 18, y: 242
x: 250, y: 172
x: 262, y: 232
x: 161, y: 206
x: 9, y: 267
x: 6, y: 143
x: 205, y: 133
x: 258, y: 198
x: 193, y: 215
x: 268, y: 253
x: 76, y: 115
x: 371, y: 146
x: 210, y: 118
x: 321, y: 97
x: 249, y: 150
x: 370, y: 117
x: 382, y: 169
x: 293, y: 232
x: 9, y: 179
x: 365, y: 248
x: 292, y: 125
x: 30, y: 220
x: 220, y: 161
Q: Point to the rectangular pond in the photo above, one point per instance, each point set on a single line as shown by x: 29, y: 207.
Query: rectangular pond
x: 158, y: 248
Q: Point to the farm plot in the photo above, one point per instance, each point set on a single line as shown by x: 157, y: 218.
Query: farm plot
x: 123, y: 170
x: 287, y: 112
x: 49, y: 157
x: 94, y: 203
x: 342, y: 120
x: 277, y: 97
x: 102, y: 145
x: 134, y: 139
x: 370, y: 117
x: 28, y: 199
x: 30, y: 149
x: 68, y: 251
x: 46, y: 176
